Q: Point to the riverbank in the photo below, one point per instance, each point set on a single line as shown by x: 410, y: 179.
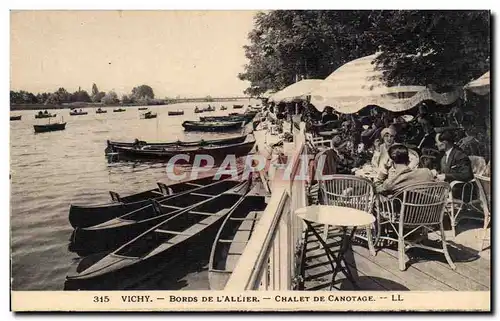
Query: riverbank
x: 97, y: 105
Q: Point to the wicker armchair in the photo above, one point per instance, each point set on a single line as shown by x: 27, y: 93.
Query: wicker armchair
x: 349, y: 191
x: 464, y: 196
x: 418, y: 207
x: 485, y: 197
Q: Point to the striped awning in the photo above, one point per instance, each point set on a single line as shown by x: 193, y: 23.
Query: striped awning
x: 480, y: 86
x: 267, y: 94
x: 358, y: 84
x: 296, y: 92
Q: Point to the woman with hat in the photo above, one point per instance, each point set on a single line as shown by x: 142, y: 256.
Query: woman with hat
x: 381, y: 157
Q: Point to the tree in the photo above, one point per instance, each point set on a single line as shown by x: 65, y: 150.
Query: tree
x: 126, y: 99
x: 442, y: 49
x: 80, y: 96
x: 110, y: 98
x: 95, y: 91
x: 53, y: 99
x: 98, y: 97
x: 142, y: 91
x: 286, y: 46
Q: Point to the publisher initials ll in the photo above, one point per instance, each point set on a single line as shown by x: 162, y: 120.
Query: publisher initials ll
x: 396, y: 297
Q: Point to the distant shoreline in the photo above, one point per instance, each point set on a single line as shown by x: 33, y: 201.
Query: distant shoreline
x: 97, y: 105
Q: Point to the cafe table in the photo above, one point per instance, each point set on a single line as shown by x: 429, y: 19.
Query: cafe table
x: 346, y: 219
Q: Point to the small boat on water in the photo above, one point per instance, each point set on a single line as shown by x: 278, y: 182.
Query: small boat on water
x: 49, y: 127
x: 176, y: 112
x: 186, y: 229
x: 119, y: 110
x: 148, y: 115
x: 45, y: 114
x: 198, y: 111
x: 212, y: 126
x: 237, y: 106
x: 109, y: 235
x: 223, y: 108
x: 238, y: 117
x: 15, y: 117
x: 209, y: 109
x: 75, y: 112
x: 101, y: 111
x: 143, y: 108
x: 87, y: 215
x: 178, y: 144
x: 232, y: 238
x: 216, y: 151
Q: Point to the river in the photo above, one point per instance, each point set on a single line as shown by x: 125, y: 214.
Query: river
x: 49, y: 171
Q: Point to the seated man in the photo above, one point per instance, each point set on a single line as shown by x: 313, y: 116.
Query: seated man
x: 402, y: 176
x: 455, y: 164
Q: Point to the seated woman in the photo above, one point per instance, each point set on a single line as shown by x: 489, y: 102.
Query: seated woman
x: 381, y: 156
x: 402, y: 175
x: 381, y: 159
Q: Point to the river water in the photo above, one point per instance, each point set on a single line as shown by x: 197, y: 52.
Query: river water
x: 49, y: 171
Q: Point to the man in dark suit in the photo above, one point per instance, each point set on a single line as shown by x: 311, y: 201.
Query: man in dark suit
x: 403, y: 175
x: 455, y: 164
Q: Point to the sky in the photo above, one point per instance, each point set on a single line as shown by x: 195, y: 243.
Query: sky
x: 185, y: 53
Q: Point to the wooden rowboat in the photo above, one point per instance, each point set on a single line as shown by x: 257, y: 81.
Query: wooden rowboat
x: 109, y: 235
x: 166, y: 153
x: 49, y: 127
x: 232, y: 238
x: 148, y: 115
x: 44, y: 115
x: 119, y: 110
x: 176, y: 112
x: 168, y: 237
x: 88, y: 215
x: 237, y: 106
x: 15, y: 117
x: 77, y: 113
x: 177, y: 144
x: 212, y: 126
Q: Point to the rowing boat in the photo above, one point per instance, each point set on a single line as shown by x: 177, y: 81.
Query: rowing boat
x: 77, y: 113
x: 88, y: 215
x: 172, y: 236
x: 49, y: 127
x: 15, y: 117
x: 167, y: 152
x: 232, y: 238
x: 109, y: 235
x: 240, y: 117
x: 237, y: 106
x: 176, y: 112
x: 212, y: 126
x: 138, y: 143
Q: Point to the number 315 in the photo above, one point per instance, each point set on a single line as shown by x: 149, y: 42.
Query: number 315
x: 101, y: 298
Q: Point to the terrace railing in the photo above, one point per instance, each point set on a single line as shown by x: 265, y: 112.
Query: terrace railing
x: 270, y: 260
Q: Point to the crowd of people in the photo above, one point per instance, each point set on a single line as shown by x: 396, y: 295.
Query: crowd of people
x: 402, y: 149
x: 406, y: 149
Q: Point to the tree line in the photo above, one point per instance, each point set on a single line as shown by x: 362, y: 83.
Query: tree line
x: 141, y: 95
x: 439, y: 49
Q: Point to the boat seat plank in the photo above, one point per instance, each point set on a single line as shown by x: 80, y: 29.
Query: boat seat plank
x: 242, y: 219
x: 171, y: 232
x: 201, y: 194
x: 194, y: 184
x: 172, y: 206
x: 202, y: 213
x: 232, y: 241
